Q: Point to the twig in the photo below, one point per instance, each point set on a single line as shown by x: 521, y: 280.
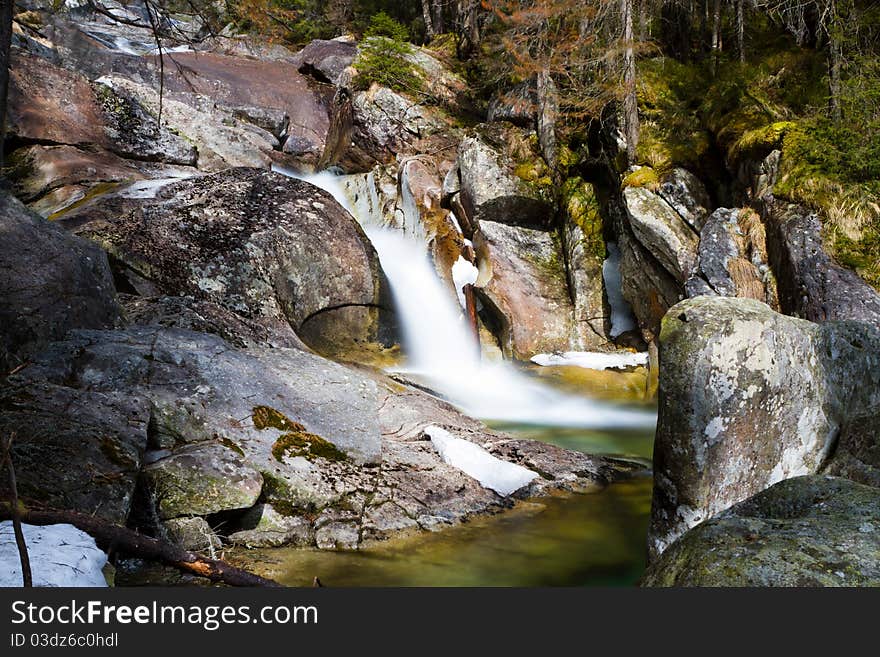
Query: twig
x: 26, y: 576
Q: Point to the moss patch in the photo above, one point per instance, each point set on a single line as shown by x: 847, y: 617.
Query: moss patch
x: 643, y: 177
x: 582, y: 206
x: 266, y: 417
x: 296, y: 440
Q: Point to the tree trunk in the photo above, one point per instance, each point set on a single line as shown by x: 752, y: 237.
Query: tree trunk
x: 643, y: 20
x: 113, y: 537
x: 6, y: 10
x: 630, y: 102
x: 716, y: 36
x: 429, y: 23
x: 835, y: 61
x: 439, y: 23
x: 740, y: 30
x: 548, y: 108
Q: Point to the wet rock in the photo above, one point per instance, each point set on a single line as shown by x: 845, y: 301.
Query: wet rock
x: 492, y: 190
x: 52, y: 282
x: 811, y: 284
x: 74, y: 449
x: 748, y: 398
x: 663, y: 233
x: 522, y: 281
x: 272, y: 249
x: 201, y: 479
x: 265, y: 526
x: 806, y: 531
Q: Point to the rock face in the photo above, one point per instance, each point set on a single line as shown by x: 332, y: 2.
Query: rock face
x: 811, y: 284
x: 75, y: 449
x: 491, y: 190
x: 52, y: 282
x: 522, y: 280
x: 748, y: 398
x: 687, y: 196
x: 267, y: 247
x: 807, y: 531
x: 661, y: 231
x: 325, y: 59
x: 732, y: 258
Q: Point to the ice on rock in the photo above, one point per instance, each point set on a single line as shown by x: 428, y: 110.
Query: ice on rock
x: 493, y: 473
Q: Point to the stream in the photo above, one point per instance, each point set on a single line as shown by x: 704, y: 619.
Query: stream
x: 578, y: 539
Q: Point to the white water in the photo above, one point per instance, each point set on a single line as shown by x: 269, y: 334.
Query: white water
x: 442, y: 352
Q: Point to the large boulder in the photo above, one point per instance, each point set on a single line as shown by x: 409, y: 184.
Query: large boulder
x: 806, y: 531
x: 78, y: 450
x: 52, y: 282
x: 522, y: 281
x: 811, y: 284
x: 496, y: 187
x: 325, y: 60
x: 267, y: 247
x: 749, y: 397
x: 685, y: 194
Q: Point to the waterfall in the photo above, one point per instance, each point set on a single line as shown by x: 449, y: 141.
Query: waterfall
x: 441, y: 350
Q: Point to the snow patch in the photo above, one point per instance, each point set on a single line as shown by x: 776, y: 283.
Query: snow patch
x: 493, y: 473
x: 463, y: 273
x: 622, y: 319
x: 60, y: 555
x: 593, y: 360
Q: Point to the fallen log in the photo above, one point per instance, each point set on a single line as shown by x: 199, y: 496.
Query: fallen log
x: 113, y: 537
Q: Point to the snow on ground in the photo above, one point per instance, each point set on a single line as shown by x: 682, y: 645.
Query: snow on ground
x: 501, y: 476
x: 463, y: 273
x: 593, y: 360
x: 60, y: 555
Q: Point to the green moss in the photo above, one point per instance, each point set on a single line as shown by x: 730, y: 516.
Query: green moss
x: 266, y: 417
x: 582, y: 207
x: 643, y: 177
x: 230, y: 444
x: 305, y: 444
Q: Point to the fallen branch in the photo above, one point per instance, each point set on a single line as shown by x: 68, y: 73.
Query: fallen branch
x: 6, y: 459
x: 113, y: 537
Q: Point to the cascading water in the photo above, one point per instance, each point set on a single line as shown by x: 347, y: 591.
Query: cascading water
x: 441, y: 350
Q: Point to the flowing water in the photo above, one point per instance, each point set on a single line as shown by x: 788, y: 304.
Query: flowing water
x: 580, y: 539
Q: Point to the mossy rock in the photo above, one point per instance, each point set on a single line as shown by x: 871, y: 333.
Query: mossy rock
x: 642, y: 177
x: 296, y: 440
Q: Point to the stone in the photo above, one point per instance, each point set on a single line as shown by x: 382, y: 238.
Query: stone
x: 74, y: 450
x: 685, y: 194
x: 811, y: 285
x: 491, y: 190
x: 522, y: 283
x: 325, y: 60
x: 264, y: 526
x: 52, y: 282
x: 272, y: 249
x: 192, y: 533
x: 662, y: 232
x: 749, y: 397
x: 807, y: 531
x: 201, y: 479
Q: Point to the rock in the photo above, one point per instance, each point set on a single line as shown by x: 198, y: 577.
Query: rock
x: 265, y: 526
x: 49, y: 104
x: 201, y: 479
x: 522, y: 282
x: 73, y: 449
x: 491, y: 190
x: 517, y: 105
x: 732, y: 258
x: 134, y: 133
x: 748, y: 398
x: 337, y: 531
x: 272, y: 249
x: 811, y: 284
x: 661, y: 231
x: 192, y: 534
x: 52, y: 282
x: 221, y: 140
x: 325, y: 60
x: 687, y: 196
x: 806, y: 531
x: 205, y: 317
x: 384, y: 124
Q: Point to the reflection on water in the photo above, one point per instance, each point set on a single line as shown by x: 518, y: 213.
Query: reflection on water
x: 634, y: 443
x: 595, y: 539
